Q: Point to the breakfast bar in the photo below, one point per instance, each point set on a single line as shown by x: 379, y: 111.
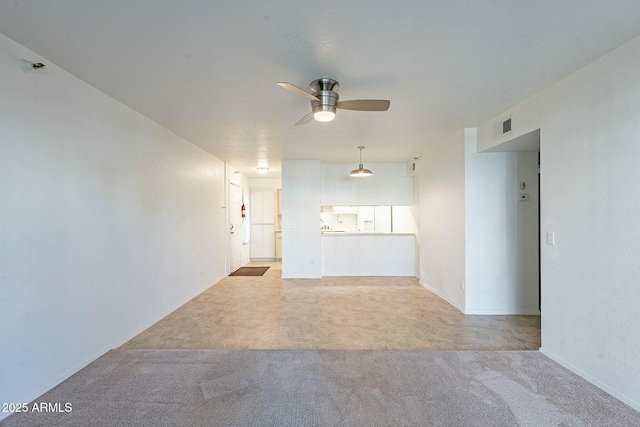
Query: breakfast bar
x: 368, y: 254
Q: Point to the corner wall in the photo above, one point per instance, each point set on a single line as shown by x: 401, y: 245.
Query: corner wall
x: 590, y: 153
x: 501, y: 239
x: 301, y: 189
x: 109, y: 222
x: 441, y: 219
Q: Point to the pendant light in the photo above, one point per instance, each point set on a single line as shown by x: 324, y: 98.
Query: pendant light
x: 361, y: 171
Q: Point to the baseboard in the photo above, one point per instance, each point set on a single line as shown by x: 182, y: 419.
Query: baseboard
x: 105, y: 349
x: 441, y: 295
x: 621, y: 397
x: 513, y: 312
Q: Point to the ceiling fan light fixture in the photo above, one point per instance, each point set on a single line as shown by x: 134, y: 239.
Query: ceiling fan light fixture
x: 361, y: 171
x: 324, y: 110
x: 324, y: 115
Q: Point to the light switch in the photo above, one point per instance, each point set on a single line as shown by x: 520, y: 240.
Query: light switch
x: 551, y: 237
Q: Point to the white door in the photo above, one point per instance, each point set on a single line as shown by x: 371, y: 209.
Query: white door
x: 235, y: 227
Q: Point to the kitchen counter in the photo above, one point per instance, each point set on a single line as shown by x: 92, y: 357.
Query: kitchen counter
x: 368, y: 254
x: 362, y: 233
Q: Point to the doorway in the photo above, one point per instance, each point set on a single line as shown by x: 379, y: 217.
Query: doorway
x: 524, y: 153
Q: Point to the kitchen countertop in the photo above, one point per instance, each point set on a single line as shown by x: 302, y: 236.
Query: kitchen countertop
x: 362, y: 233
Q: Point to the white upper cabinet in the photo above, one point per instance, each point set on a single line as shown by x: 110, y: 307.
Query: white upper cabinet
x: 263, y: 206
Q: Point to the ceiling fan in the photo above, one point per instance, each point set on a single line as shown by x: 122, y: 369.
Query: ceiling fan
x: 325, y: 101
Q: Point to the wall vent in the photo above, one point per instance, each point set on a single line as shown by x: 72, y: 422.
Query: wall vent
x: 502, y: 128
x: 506, y: 126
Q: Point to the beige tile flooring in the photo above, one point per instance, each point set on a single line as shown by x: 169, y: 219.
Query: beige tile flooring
x: 338, y: 313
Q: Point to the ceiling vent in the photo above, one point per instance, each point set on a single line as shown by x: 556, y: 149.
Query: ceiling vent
x: 502, y: 128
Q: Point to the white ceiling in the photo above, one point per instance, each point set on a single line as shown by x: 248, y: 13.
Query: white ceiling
x: 207, y: 70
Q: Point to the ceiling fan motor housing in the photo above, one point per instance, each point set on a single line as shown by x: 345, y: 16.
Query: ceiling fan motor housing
x: 324, y: 84
x: 327, y: 101
x: 325, y: 91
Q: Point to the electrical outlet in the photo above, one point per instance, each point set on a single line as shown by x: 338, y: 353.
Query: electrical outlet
x: 462, y: 284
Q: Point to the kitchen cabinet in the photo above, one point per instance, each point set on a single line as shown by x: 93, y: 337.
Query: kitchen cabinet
x: 279, y: 201
x: 263, y: 224
x: 279, y: 245
x: 345, y: 210
x: 279, y: 209
x: 263, y: 206
x: 263, y: 243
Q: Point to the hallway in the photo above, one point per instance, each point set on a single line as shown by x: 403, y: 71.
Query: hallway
x: 336, y: 313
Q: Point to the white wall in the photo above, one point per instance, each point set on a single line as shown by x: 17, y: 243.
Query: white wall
x: 109, y: 222
x: 266, y: 183
x: 404, y: 219
x: 473, y: 231
x: 441, y: 219
x: 389, y: 185
x: 526, y: 298
x: 501, y: 232
x: 301, y: 188
x: 590, y: 153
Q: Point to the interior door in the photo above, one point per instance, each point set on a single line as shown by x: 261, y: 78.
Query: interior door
x: 235, y: 227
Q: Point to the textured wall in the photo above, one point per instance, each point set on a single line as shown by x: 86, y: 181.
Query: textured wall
x: 441, y: 219
x: 301, y: 188
x: 109, y: 222
x: 590, y: 151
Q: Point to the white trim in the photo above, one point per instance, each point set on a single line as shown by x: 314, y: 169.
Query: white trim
x: 621, y: 397
x: 441, y: 295
x: 509, y: 312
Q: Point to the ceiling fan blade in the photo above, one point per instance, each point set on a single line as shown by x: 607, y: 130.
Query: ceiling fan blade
x: 306, y: 119
x: 365, y: 104
x: 295, y: 89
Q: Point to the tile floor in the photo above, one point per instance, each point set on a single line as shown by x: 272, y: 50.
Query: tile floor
x: 338, y: 313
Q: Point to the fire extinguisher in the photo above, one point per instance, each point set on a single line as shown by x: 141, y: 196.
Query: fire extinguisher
x: 243, y: 211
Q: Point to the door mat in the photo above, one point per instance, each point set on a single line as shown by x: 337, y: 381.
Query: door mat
x: 249, y: 271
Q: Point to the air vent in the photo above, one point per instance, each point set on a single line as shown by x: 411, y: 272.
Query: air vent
x: 502, y: 128
x: 506, y: 126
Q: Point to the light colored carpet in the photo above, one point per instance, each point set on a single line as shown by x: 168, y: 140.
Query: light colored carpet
x: 327, y: 388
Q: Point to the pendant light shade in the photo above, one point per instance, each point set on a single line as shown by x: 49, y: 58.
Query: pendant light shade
x: 361, y: 171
